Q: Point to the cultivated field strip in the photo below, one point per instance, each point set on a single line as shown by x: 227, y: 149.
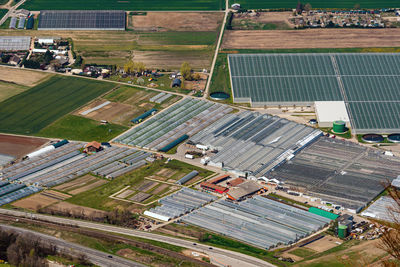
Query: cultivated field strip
x: 187, y: 117
x: 367, y: 82
x: 258, y: 221
x: 180, y: 203
x: 262, y: 141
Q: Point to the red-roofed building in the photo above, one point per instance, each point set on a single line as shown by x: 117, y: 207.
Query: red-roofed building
x: 214, y: 187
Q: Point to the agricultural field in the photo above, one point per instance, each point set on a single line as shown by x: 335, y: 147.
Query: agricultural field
x: 8, y: 89
x: 344, y: 4
x: 136, y: 5
x: 40, y: 200
x: 19, y: 146
x: 176, y: 21
x: 22, y: 77
x: 36, y: 108
x: 311, y: 38
x: 156, y: 49
x: 133, y: 102
x: 115, y: 193
x: 73, y: 127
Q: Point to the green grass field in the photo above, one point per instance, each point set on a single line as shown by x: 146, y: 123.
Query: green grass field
x: 124, y: 5
x: 220, y: 81
x: 347, y: 4
x: 8, y: 90
x: 36, y: 108
x: 3, y: 12
x: 82, y: 129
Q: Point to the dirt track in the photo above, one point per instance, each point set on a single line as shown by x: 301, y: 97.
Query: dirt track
x: 19, y: 146
x: 313, y: 38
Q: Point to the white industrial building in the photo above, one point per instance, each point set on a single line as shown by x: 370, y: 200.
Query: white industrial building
x: 329, y: 111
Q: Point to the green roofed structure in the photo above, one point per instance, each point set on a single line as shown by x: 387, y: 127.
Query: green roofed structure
x: 174, y: 143
x: 144, y: 116
x: 323, y: 213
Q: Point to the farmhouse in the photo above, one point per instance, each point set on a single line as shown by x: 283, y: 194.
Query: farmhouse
x: 93, y: 147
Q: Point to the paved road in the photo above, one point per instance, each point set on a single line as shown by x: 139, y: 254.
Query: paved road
x: 10, y: 11
x: 96, y: 257
x: 217, y: 49
x: 236, y: 258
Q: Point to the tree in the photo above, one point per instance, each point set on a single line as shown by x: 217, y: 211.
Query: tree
x: 140, y: 66
x: 129, y: 67
x: 48, y: 56
x: 307, y: 7
x: 186, y: 71
x: 390, y: 240
x: 196, y: 76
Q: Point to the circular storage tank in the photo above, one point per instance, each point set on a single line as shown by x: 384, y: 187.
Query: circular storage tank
x: 394, y: 138
x: 339, y: 127
x: 372, y: 138
x: 219, y: 96
x: 342, y: 231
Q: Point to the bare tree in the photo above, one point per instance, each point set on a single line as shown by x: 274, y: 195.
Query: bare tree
x: 390, y: 240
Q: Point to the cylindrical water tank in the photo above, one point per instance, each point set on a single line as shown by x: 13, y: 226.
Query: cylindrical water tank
x: 339, y: 127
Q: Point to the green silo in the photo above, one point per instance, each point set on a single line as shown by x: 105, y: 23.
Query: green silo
x: 342, y: 231
x: 339, y: 127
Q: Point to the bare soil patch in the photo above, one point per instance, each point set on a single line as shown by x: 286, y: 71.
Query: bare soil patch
x: 166, y: 172
x: 147, y: 185
x: 35, y: 202
x: 75, y: 183
x: 19, y: 146
x: 173, y: 21
x: 55, y: 195
x: 23, y: 77
x: 140, y: 197
x: 125, y: 193
x: 113, y: 112
x: 160, y: 189
x: 324, y: 243
x: 311, y: 38
x: 88, y: 187
x: 75, y: 209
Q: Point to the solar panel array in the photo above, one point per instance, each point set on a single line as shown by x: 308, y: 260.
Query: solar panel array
x: 368, y: 83
x: 14, y: 43
x: 82, y: 20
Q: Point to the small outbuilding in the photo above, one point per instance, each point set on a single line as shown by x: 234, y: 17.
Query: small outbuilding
x: 176, y: 82
x: 93, y: 147
x: 235, y: 6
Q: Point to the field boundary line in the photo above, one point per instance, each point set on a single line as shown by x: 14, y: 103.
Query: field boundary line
x: 221, y: 34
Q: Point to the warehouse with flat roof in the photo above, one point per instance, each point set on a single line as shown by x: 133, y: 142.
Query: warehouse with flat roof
x: 102, y: 20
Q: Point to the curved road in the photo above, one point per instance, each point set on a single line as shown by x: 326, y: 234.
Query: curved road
x: 96, y: 257
x: 234, y: 258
